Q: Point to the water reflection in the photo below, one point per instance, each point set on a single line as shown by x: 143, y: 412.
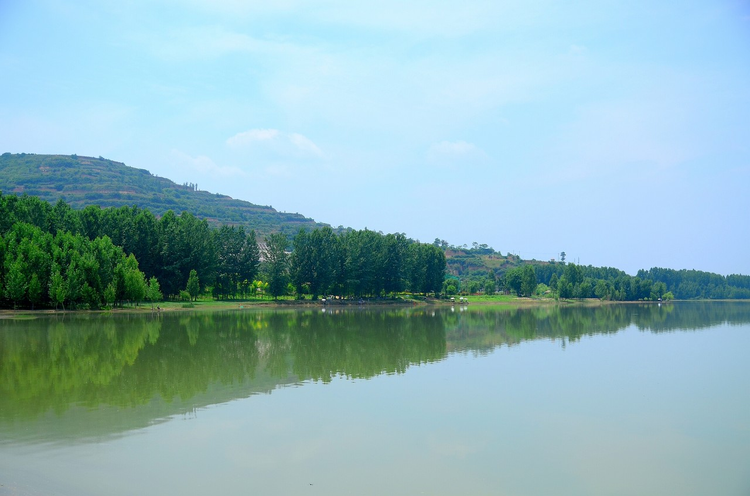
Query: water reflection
x: 103, y: 374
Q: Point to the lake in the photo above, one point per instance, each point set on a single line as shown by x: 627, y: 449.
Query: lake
x: 638, y: 399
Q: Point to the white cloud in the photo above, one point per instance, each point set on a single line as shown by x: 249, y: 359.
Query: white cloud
x: 211, y: 42
x: 205, y: 166
x: 419, y: 17
x: 305, y: 145
x: 276, y: 142
x: 623, y: 138
x: 248, y: 137
x: 577, y: 50
x: 455, y: 153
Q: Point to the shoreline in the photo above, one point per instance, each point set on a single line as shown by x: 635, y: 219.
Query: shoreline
x: 214, y: 305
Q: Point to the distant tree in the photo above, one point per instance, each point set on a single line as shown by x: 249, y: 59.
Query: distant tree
x: 562, y: 257
x: 553, y: 282
x: 584, y: 290
x: 658, y: 290
x: 574, y: 274
x: 601, y: 290
x: 564, y: 288
x: 541, y: 289
x: 514, y: 280
x: 528, y: 280
x: 451, y: 286
x: 260, y: 288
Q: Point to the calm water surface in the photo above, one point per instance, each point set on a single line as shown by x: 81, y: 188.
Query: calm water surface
x: 622, y: 399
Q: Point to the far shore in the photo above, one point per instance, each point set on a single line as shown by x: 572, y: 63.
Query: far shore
x: 208, y: 305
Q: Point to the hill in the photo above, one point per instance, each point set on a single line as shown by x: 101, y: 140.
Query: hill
x: 83, y: 181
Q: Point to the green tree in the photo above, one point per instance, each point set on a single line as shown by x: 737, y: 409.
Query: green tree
x: 658, y: 290
x: 584, y: 290
x: 110, y: 294
x: 564, y: 287
x: 276, y: 264
x: 303, y: 264
x: 134, y: 281
x: 601, y: 290
x: 35, y: 290
x: 514, y: 280
x: 574, y: 274
x: 426, y: 268
x: 528, y: 280
x: 451, y: 286
x: 317, y: 261
x: 58, y: 291
x: 363, y: 263
x: 553, y: 282
x: 15, y: 283
x: 435, y: 268
x: 153, y: 293
x: 237, y: 259
x: 193, y: 285
x: 395, y: 252
x: 73, y: 282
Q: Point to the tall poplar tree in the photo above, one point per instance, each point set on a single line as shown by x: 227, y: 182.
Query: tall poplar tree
x: 276, y: 264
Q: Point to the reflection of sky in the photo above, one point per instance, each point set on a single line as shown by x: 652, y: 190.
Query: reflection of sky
x: 630, y: 413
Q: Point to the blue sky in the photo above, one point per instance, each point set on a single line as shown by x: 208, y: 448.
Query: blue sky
x: 616, y: 131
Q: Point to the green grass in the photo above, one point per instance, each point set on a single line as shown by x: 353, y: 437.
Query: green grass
x: 490, y: 298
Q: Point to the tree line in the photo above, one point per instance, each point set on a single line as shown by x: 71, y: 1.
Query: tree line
x: 68, y: 270
x: 364, y: 263
x: 577, y: 281
x: 182, y: 255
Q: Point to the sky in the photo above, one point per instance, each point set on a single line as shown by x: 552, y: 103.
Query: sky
x: 615, y: 131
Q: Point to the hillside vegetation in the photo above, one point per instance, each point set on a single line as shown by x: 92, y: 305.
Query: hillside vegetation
x: 141, y: 204
x: 481, y: 269
x: 83, y: 181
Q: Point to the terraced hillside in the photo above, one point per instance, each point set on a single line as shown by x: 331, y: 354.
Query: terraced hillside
x: 83, y: 181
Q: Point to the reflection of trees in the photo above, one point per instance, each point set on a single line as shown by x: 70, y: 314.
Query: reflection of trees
x: 52, y: 363
x: 49, y: 364
x: 364, y: 344
x: 483, y: 328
